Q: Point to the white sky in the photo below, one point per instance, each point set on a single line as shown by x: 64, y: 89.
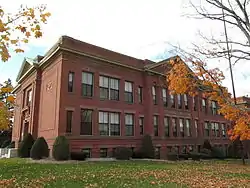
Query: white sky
x: 138, y: 28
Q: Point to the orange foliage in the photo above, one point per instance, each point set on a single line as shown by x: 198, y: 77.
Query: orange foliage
x: 16, y: 29
x: 181, y: 79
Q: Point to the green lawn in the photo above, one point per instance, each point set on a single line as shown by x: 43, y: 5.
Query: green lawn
x: 132, y: 174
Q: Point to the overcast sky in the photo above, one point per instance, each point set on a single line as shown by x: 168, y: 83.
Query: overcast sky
x: 139, y: 28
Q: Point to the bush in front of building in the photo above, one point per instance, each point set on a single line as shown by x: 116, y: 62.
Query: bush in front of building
x: 217, y: 153
x: 60, y: 150
x: 172, y: 156
x: 39, y: 149
x: 137, y: 154
x: 147, y: 148
x: 195, y: 156
x: 25, y: 146
x: 5, y: 143
x: 207, y: 145
x: 11, y: 145
x: 78, y: 156
x: 123, y: 153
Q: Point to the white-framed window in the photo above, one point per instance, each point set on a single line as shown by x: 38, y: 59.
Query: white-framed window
x: 185, y: 101
x: 154, y: 94
x: 188, y: 127
x: 129, y: 124
x: 129, y: 92
x: 109, y: 123
x: 109, y: 88
x: 181, y: 121
x: 87, y: 84
x: 164, y: 97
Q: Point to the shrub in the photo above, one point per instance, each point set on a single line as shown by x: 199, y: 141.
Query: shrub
x: 11, y: 145
x: 207, y: 145
x: 79, y: 156
x: 172, y: 156
x: 218, y: 153
x: 39, y: 149
x: 205, y: 151
x: 25, y: 146
x: 184, y: 156
x: 137, y: 154
x: 147, y: 148
x: 5, y: 143
x: 123, y: 153
x: 60, y: 150
x: 195, y: 156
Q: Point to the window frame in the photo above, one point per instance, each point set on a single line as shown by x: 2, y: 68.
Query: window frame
x: 164, y: 97
x: 129, y: 123
x: 128, y: 95
x: 109, y: 88
x: 71, y: 82
x: 69, y: 121
x: 84, y: 124
x: 156, y: 125
x: 141, y: 125
x: 153, y: 90
x: 140, y: 95
x: 107, y: 122
x: 86, y: 85
x: 166, y: 126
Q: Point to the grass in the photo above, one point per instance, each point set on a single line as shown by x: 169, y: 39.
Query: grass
x: 132, y: 174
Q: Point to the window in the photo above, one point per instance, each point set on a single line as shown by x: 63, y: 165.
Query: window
x: 166, y: 125
x: 109, y: 88
x: 87, y: 84
x: 179, y: 101
x: 196, y: 127
x: 86, y: 122
x: 214, y: 107
x: 181, y: 127
x: 154, y: 94
x: 141, y: 124
x: 206, y: 129
x: 174, y: 126
x: 71, y: 81
x: 213, y: 128
x: 223, y: 130
x: 185, y: 101
x: 109, y: 123
x: 188, y: 127
x: 29, y: 98
x: 157, y: 152
x: 194, y: 103
x: 128, y: 92
x: 140, y: 94
x: 155, y: 125
x: 217, y: 131
x: 103, y: 152
x: 129, y: 124
x: 164, y: 97
x: 69, y: 115
x: 87, y: 151
x: 114, y: 89
x: 172, y: 100
x: 204, y: 108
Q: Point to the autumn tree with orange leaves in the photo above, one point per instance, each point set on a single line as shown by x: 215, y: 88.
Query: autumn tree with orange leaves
x: 197, y: 77
x: 6, y: 104
x: 18, y: 28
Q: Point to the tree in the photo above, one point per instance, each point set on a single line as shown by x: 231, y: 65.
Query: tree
x: 6, y: 105
x: 16, y: 29
x: 235, y: 14
x: 198, y: 78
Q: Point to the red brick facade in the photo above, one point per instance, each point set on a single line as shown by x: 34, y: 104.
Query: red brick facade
x: 92, y: 96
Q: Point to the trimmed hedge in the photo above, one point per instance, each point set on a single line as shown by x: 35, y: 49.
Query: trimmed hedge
x: 39, y: 149
x: 147, y: 148
x: 184, y: 156
x: 79, y: 156
x: 5, y: 143
x: 137, y: 154
x: 195, y: 156
x: 25, y: 146
x: 123, y: 153
x: 11, y: 145
x: 207, y: 145
x: 218, y: 153
x: 172, y: 156
x: 60, y: 150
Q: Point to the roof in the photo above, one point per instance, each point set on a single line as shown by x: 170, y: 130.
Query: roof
x: 69, y: 44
